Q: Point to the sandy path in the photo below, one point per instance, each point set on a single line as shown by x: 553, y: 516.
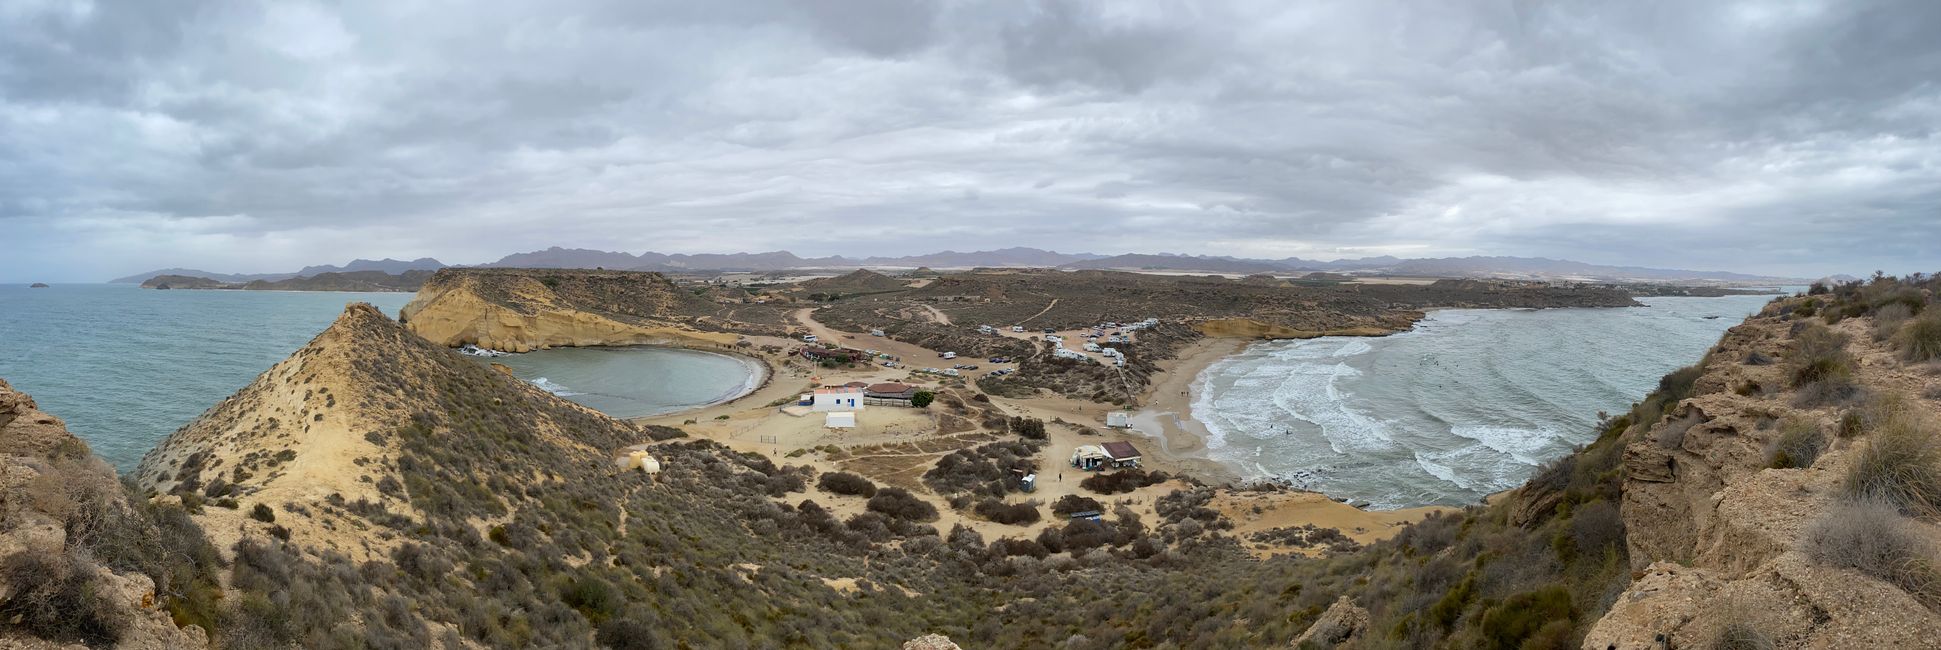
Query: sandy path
x: 1041, y: 312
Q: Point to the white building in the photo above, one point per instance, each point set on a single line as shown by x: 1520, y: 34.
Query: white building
x: 842, y: 398
x: 840, y: 420
x: 1118, y: 419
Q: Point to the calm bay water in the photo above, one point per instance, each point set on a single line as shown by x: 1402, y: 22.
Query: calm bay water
x: 633, y: 382
x: 1469, y: 403
x: 126, y: 366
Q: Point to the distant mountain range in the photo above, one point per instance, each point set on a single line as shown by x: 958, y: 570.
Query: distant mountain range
x: 582, y: 258
x: 386, y: 265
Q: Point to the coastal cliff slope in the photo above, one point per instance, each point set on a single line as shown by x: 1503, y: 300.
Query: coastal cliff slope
x: 519, y: 310
x: 81, y: 561
x: 330, y: 424
x: 1792, y: 491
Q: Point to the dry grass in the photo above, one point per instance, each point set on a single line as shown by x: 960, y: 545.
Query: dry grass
x: 1799, y: 444
x: 1901, y: 465
x: 1872, y: 537
x: 1920, y: 339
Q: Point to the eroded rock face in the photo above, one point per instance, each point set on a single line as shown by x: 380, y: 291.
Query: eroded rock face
x: 520, y: 310
x: 1715, y: 532
x: 49, y: 480
x: 930, y: 642
x: 1343, y: 622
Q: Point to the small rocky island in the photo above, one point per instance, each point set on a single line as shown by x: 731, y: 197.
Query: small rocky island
x: 37, y: 285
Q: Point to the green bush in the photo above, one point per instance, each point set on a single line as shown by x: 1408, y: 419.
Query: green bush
x: 1519, y: 617
x: 846, y: 483
x: 922, y: 398
x: 1016, y: 514
x: 1799, y: 444
x: 263, y: 513
x: 900, y: 504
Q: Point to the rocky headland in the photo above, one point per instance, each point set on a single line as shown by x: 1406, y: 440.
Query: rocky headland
x: 519, y: 310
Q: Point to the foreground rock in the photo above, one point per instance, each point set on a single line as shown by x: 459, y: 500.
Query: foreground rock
x: 519, y: 310
x: 1717, y: 533
x: 63, y: 516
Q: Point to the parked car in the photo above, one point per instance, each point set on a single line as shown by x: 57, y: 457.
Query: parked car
x: 808, y: 338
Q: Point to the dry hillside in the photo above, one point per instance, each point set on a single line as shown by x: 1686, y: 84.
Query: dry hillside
x: 526, y: 309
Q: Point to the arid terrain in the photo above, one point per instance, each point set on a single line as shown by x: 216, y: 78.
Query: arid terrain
x: 377, y: 490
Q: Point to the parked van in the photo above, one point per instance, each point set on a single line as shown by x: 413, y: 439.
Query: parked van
x: 950, y: 355
x: 808, y: 338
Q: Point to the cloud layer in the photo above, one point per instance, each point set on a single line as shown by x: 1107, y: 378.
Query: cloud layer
x: 1777, y: 137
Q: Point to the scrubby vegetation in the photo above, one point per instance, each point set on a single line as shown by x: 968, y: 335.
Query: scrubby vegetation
x: 1016, y: 514
x: 1122, y: 481
x: 1900, y: 464
x: 1873, y: 538
x: 992, y: 469
x: 1798, y: 445
x: 846, y: 483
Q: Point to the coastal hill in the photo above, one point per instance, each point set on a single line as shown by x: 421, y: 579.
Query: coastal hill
x: 386, y: 265
x: 376, y: 489
x: 523, y: 309
x: 378, y: 281
x: 183, y: 282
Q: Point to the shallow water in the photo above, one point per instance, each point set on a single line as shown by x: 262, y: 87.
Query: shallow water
x: 629, y: 382
x: 1469, y: 403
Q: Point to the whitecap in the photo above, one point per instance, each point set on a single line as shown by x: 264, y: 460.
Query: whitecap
x: 553, y: 388
x: 1525, y: 445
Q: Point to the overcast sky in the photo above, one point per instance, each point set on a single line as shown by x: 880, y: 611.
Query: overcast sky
x: 1795, y: 138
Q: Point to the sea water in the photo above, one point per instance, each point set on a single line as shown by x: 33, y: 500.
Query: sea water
x: 126, y: 366
x: 1469, y: 403
x: 638, y: 381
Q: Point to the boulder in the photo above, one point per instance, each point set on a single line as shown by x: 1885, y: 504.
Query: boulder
x: 1344, y: 621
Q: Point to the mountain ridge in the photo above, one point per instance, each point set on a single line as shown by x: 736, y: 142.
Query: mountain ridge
x: 1019, y: 256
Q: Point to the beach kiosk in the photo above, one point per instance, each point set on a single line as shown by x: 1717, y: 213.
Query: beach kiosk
x: 1089, y: 457
x: 1121, y: 454
x: 1118, y: 419
x: 840, y: 420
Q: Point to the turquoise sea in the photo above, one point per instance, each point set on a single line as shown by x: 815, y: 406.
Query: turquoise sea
x: 125, y: 366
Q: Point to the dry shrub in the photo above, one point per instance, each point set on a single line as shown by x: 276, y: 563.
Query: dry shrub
x: 1872, y: 537
x: 846, y: 483
x: 1740, y: 625
x: 1888, y: 320
x: 1920, y: 339
x: 1016, y: 514
x: 1901, y: 465
x: 1798, y: 445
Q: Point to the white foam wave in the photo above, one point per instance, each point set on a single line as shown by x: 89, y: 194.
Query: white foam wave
x: 1351, y: 348
x: 1527, y: 446
x: 553, y: 388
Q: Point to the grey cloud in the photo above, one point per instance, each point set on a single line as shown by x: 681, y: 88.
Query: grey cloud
x: 1768, y: 136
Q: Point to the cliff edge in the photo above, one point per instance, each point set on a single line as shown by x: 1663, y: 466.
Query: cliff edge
x: 80, y: 562
x: 1787, y: 498
x: 519, y: 310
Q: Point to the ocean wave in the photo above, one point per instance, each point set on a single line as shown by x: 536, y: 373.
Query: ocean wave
x: 553, y: 388
x: 1525, y: 445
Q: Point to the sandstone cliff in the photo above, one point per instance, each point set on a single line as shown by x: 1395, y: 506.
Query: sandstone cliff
x: 75, y: 553
x: 520, y: 310
x: 1732, y: 496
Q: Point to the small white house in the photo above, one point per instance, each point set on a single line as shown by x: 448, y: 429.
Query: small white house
x: 840, y: 420
x: 841, y: 398
x: 1118, y: 419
